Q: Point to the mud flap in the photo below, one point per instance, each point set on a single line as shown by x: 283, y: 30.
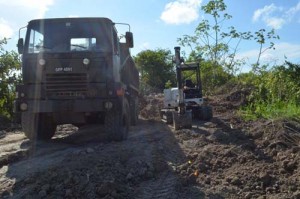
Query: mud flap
x: 181, y: 121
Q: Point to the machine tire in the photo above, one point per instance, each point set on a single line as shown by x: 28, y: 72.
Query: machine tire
x: 29, y: 125
x: 47, y: 128
x: 117, y: 123
x: 182, y: 121
x: 206, y: 113
x: 169, y: 117
x: 37, y: 126
x: 176, y: 120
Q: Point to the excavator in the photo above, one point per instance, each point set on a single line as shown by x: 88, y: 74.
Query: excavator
x: 185, y: 103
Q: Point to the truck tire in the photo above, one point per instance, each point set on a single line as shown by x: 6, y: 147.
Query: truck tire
x: 206, y: 113
x: 134, y: 113
x: 37, y: 126
x: 117, y: 123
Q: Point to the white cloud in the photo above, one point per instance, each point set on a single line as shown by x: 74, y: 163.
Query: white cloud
x: 181, y: 12
x: 293, y: 11
x: 263, y: 12
x: 37, y: 8
x: 277, y: 56
x: 291, y: 51
x: 274, y: 16
x: 268, y: 15
x: 145, y: 46
x: 6, y: 30
x: 16, y: 13
x: 275, y: 22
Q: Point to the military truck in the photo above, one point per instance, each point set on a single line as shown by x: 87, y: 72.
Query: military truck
x: 76, y: 71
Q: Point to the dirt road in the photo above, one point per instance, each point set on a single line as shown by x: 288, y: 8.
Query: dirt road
x: 223, y: 158
x: 82, y: 164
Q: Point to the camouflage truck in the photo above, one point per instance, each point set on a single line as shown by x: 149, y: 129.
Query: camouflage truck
x: 76, y: 71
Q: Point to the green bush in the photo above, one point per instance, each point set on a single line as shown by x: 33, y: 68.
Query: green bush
x: 277, y: 93
x: 9, y: 77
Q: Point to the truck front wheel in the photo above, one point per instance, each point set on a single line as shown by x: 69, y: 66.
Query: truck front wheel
x: 134, y: 112
x: 37, y: 126
x: 117, y: 122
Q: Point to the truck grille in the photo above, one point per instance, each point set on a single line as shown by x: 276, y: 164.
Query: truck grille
x: 66, y: 85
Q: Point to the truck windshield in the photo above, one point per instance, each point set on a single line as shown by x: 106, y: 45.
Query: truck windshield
x: 67, y: 37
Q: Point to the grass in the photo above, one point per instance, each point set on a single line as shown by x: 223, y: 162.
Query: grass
x: 275, y: 110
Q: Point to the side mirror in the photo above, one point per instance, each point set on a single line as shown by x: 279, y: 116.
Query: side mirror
x: 20, y: 45
x: 129, y: 39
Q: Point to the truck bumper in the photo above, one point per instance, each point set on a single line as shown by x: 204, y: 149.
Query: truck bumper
x: 75, y: 105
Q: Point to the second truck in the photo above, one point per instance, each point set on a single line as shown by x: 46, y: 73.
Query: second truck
x: 76, y: 71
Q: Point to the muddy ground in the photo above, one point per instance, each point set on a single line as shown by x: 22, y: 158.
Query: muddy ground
x: 222, y: 158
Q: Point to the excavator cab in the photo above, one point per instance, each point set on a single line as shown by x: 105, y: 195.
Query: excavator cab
x: 184, y: 103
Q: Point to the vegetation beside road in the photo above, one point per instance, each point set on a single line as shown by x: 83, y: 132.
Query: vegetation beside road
x: 275, y: 89
x: 10, y: 67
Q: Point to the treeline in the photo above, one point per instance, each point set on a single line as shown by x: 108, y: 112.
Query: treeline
x: 275, y: 91
x: 10, y: 76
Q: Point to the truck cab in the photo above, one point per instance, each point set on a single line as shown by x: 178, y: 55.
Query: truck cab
x: 75, y: 71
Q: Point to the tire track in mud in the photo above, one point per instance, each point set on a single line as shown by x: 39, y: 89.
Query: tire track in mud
x: 144, y: 165
x: 15, y: 147
x: 11, y: 148
x: 165, y: 155
x: 32, y: 157
x: 162, y: 187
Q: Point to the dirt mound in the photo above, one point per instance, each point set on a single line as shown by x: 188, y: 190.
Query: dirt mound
x: 223, y: 158
x: 233, y: 163
x: 231, y: 158
x: 231, y: 96
x: 150, y: 106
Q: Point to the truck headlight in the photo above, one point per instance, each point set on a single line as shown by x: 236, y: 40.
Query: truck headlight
x: 86, y: 61
x: 23, y: 106
x: 42, y: 62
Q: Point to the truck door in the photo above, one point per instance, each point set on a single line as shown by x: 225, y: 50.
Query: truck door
x: 116, y: 56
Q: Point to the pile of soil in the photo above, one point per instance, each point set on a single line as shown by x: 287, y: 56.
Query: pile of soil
x: 151, y: 105
x: 232, y: 158
x: 238, y: 163
x: 222, y: 158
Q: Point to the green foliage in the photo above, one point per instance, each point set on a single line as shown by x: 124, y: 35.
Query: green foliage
x: 213, y: 41
x: 156, y: 69
x: 168, y: 84
x: 212, y: 76
x: 261, y: 37
x: 277, y: 93
x: 274, y: 110
x: 9, y: 76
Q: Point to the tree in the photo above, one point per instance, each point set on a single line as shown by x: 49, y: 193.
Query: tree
x: 10, y: 66
x: 213, y: 43
x: 156, y: 68
x: 261, y: 38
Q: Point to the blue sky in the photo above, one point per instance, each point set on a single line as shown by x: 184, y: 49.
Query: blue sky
x: 158, y: 23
